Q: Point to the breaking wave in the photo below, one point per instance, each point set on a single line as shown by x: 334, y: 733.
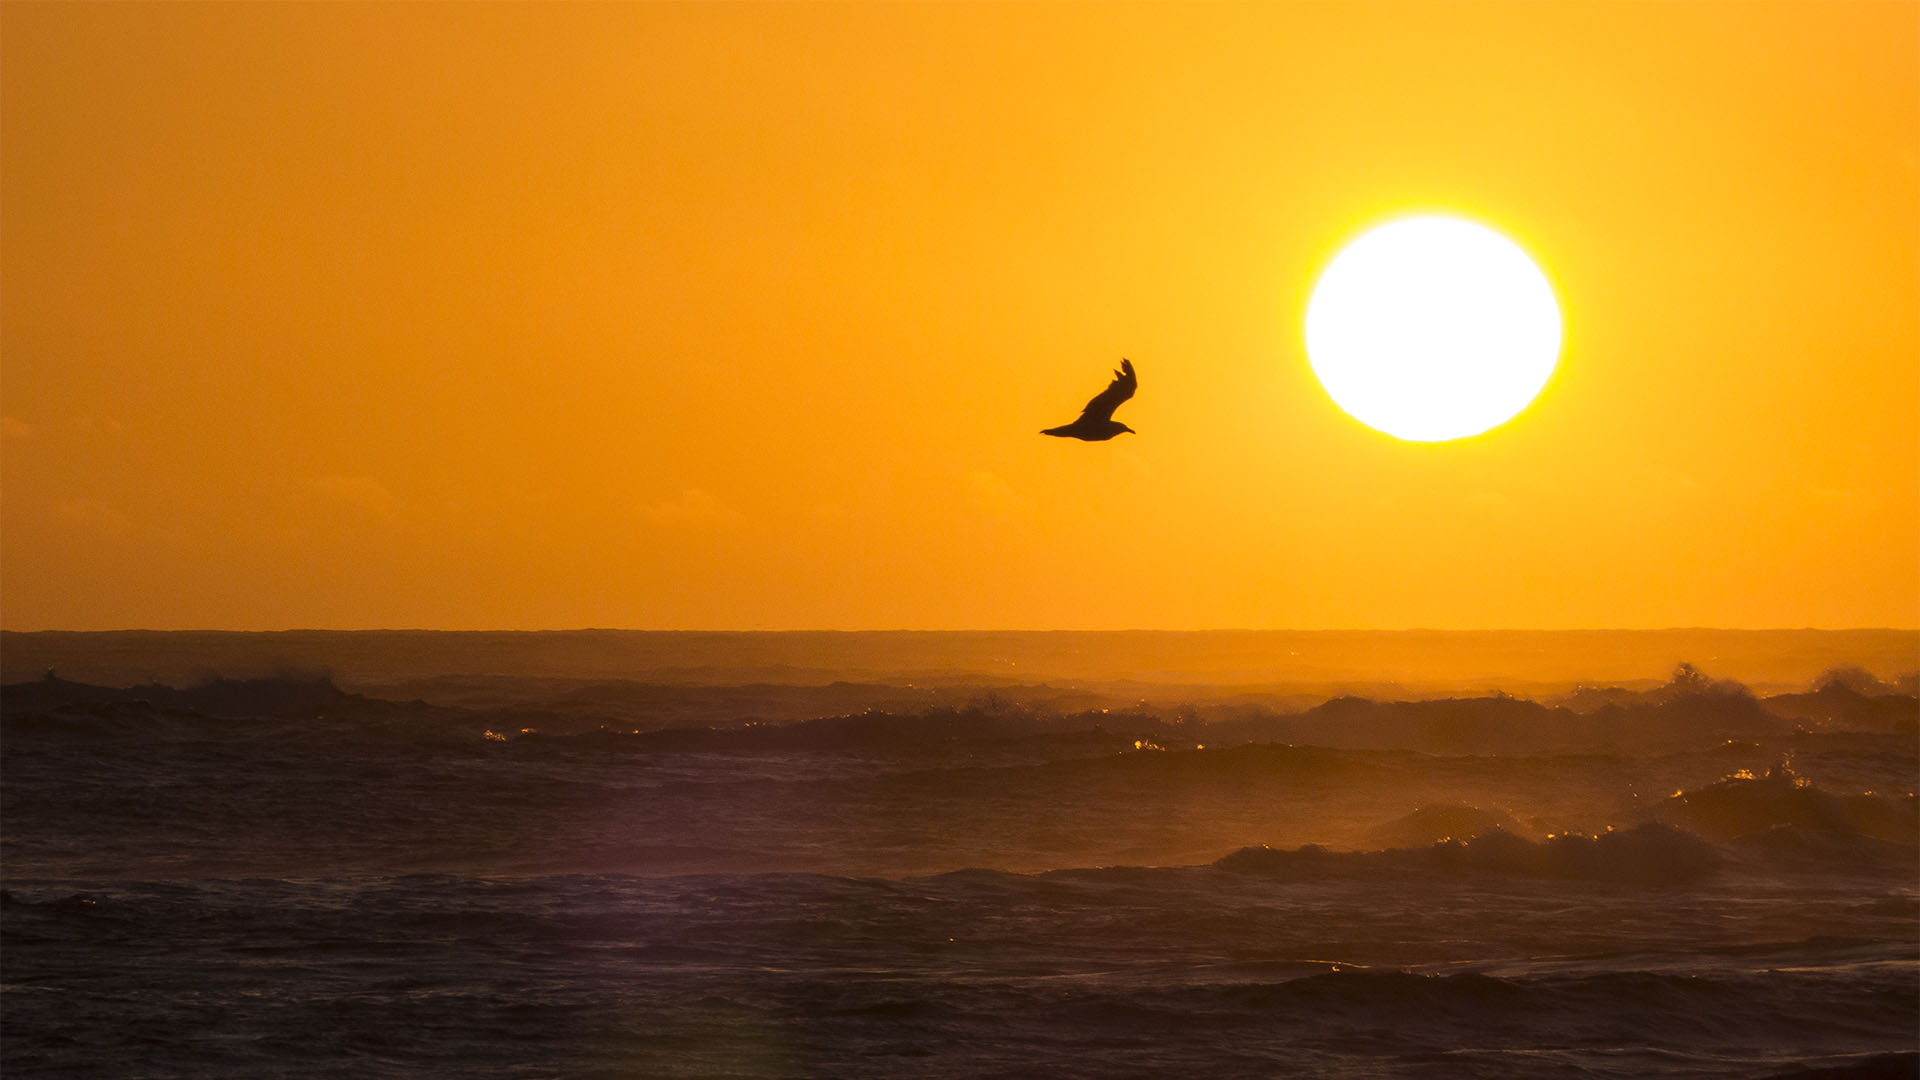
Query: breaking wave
x: 1650, y: 853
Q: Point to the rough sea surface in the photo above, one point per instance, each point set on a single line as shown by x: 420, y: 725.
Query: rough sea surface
x: 480, y: 871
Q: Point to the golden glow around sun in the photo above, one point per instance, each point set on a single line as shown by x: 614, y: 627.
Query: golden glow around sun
x: 1432, y: 328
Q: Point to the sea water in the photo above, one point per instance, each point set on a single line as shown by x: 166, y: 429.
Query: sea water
x: 722, y: 862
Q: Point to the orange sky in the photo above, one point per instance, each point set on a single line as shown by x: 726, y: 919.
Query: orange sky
x: 738, y: 316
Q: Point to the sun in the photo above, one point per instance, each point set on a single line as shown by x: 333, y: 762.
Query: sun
x: 1432, y: 328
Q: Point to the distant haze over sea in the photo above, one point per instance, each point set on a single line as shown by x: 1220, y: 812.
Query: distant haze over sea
x: 1426, y: 662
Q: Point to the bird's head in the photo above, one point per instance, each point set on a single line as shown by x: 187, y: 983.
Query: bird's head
x: 1125, y: 430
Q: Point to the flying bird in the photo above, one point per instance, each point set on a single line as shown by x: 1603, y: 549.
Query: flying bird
x: 1096, y: 422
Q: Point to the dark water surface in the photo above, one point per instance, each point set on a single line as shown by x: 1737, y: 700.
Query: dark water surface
x: 533, y: 876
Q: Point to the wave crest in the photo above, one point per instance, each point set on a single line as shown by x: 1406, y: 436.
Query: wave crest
x: 1649, y: 854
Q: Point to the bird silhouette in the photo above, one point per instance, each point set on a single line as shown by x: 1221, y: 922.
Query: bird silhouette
x: 1096, y: 422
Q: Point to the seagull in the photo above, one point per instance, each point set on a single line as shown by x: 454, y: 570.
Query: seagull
x: 1096, y: 423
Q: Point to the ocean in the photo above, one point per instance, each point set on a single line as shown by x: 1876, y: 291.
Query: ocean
x: 622, y: 854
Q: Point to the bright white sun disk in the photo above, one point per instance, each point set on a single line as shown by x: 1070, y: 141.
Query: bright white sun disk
x: 1432, y: 328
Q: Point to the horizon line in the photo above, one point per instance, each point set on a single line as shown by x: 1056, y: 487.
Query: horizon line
x: 1696, y: 628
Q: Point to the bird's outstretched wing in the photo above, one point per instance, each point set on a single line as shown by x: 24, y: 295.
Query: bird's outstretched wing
x: 1120, y: 389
